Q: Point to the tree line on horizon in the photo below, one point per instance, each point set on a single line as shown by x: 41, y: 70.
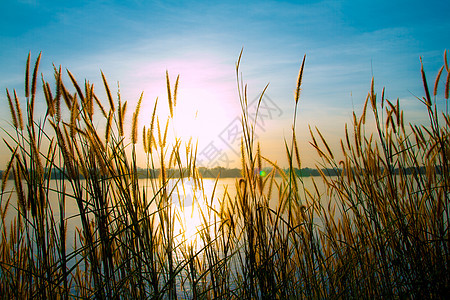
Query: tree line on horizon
x: 222, y: 172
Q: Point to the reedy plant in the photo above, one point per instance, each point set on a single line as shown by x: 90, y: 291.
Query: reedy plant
x: 391, y: 231
x: 126, y: 233
x: 380, y: 230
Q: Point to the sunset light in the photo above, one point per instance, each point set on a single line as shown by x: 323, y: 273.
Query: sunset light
x: 224, y: 149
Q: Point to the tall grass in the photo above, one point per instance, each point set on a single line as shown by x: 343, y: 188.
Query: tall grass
x: 380, y: 230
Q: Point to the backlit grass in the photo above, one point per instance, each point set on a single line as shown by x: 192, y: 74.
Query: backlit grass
x: 379, y: 231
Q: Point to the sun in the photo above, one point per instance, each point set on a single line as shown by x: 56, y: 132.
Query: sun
x: 207, y: 98
x: 206, y: 103
x: 202, y: 112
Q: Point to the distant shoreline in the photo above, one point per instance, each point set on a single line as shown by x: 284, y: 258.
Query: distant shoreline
x: 236, y: 173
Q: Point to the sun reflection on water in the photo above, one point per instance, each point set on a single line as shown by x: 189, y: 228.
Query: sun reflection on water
x: 191, y: 202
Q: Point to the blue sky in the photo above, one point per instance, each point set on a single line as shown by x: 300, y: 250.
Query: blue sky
x: 135, y: 42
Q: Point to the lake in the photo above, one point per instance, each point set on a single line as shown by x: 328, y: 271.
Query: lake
x: 186, y: 197
x: 189, y: 201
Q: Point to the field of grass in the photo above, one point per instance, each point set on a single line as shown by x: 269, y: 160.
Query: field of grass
x: 379, y: 231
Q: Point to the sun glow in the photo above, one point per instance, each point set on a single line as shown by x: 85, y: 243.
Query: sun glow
x: 206, y: 99
x: 201, y: 116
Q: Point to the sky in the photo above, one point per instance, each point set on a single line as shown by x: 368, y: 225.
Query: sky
x: 134, y: 43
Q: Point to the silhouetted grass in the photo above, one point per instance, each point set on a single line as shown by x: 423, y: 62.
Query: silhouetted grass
x: 379, y: 231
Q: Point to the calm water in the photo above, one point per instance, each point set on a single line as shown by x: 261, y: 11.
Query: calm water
x: 186, y: 196
x: 188, y: 200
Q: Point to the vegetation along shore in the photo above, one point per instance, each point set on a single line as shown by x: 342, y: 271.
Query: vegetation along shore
x: 379, y: 229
